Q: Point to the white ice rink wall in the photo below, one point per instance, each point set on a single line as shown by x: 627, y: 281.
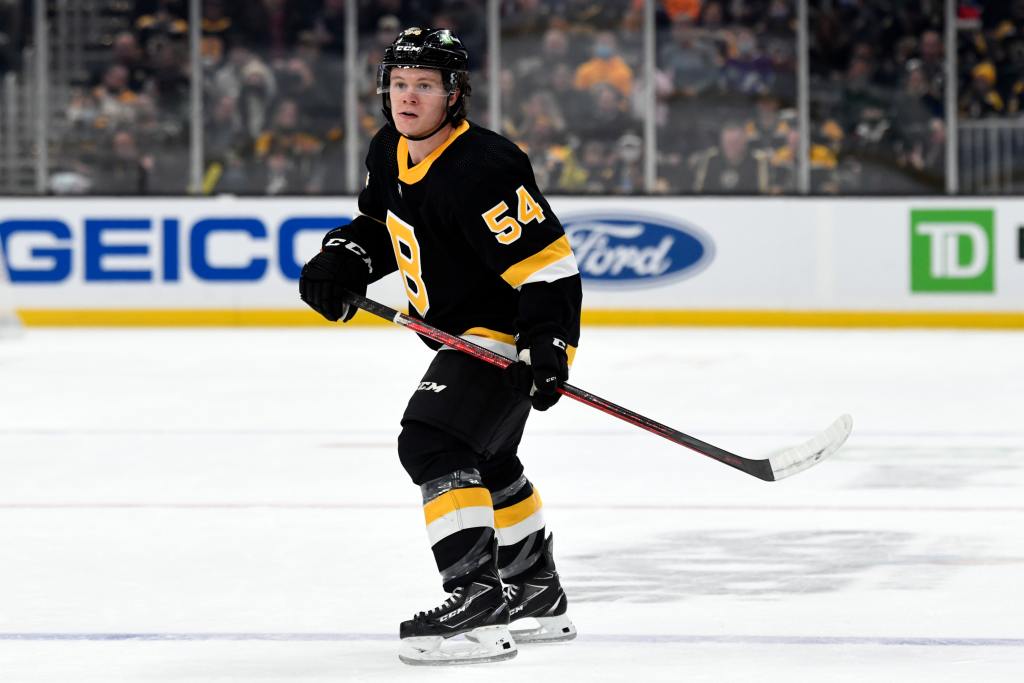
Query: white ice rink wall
x: 749, y: 261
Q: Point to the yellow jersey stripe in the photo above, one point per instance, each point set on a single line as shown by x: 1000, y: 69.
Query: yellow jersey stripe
x: 456, y: 499
x: 520, y: 272
x: 415, y: 174
x: 514, y: 514
x: 490, y: 334
x: 570, y: 351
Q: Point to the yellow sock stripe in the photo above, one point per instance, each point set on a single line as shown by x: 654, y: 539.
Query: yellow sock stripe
x: 456, y: 499
x: 514, y: 514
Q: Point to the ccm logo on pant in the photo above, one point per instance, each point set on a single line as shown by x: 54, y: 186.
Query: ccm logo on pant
x: 431, y: 386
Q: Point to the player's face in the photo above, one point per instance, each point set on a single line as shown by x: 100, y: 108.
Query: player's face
x: 418, y: 100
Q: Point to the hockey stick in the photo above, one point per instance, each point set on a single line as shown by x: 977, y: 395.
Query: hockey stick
x: 784, y: 463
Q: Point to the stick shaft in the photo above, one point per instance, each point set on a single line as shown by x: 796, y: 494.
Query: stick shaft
x: 758, y: 468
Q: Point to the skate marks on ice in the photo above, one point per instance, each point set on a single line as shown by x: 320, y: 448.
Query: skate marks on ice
x: 946, y: 469
x: 677, y: 566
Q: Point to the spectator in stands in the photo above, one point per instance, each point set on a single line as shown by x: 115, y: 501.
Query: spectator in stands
x: 223, y: 133
x: 915, y: 105
x: 257, y: 90
x: 597, y: 165
x: 114, y: 99
x: 218, y: 23
x: 166, y: 22
x: 676, y: 9
x: 229, y: 157
x: 712, y: 16
x: 730, y: 167
x: 933, y: 63
x: 575, y: 104
x: 784, y: 168
x: 532, y: 68
x: 778, y: 19
x: 170, y: 82
x: 542, y: 124
x: 328, y: 27
x: 271, y: 26
x: 982, y: 99
x: 525, y: 20
x: 691, y: 61
x: 124, y: 170
x: 607, y: 118
x: 323, y: 81
x: 408, y: 12
x: 606, y: 66
x: 467, y: 20
x: 600, y: 16
x: 290, y: 155
x: 12, y: 32
x: 749, y: 70
x: 127, y: 52
x: 927, y: 155
x: 767, y: 130
x: 629, y: 175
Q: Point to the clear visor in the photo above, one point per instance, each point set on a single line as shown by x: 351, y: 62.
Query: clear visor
x: 424, y: 82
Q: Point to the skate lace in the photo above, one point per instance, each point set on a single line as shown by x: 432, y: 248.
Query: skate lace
x: 510, y: 592
x: 444, y: 606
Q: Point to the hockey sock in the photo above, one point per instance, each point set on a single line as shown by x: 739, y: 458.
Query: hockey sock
x: 519, y: 525
x: 460, y: 524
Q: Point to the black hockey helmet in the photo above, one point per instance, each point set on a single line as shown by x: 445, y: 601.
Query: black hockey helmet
x: 428, y: 48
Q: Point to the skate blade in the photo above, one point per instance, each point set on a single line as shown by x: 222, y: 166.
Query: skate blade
x: 548, y: 630
x: 481, y: 645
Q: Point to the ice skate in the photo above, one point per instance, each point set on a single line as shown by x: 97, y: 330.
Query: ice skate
x: 537, y: 606
x: 477, y: 612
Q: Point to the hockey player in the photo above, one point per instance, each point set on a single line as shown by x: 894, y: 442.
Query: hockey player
x: 455, y: 209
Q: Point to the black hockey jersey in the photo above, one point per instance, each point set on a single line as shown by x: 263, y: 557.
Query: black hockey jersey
x: 479, y: 250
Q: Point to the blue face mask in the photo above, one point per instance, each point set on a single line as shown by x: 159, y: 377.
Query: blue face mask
x: 603, y: 52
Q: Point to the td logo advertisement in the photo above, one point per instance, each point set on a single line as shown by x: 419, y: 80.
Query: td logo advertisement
x: 952, y: 250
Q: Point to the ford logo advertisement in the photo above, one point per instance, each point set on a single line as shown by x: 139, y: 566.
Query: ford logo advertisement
x: 635, y: 249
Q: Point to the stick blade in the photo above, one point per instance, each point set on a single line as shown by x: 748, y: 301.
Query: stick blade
x: 796, y: 459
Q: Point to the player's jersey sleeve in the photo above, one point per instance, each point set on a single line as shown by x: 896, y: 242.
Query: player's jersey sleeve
x: 511, y: 226
x: 368, y: 228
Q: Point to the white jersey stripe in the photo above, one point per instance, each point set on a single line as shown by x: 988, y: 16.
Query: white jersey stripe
x: 499, y: 347
x: 562, y: 268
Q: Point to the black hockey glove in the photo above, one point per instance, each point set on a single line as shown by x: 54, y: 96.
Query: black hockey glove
x: 543, y: 366
x: 341, y: 265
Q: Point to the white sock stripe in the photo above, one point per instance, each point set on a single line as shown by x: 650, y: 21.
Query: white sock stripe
x: 457, y: 520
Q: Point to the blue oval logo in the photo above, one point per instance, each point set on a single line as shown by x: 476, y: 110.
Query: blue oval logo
x: 633, y: 249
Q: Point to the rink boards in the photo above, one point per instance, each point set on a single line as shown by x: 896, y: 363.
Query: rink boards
x: 717, y: 261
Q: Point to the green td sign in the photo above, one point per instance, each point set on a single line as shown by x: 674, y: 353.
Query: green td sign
x: 952, y: 250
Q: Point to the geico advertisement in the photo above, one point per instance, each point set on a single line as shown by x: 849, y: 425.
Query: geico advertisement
x: 633, y: 253
x: 163, y: 252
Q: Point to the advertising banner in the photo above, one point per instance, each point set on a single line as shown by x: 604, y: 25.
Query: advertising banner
x: 643, y: 260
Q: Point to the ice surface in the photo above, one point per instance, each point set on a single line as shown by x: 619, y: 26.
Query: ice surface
x: 227, y: 506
